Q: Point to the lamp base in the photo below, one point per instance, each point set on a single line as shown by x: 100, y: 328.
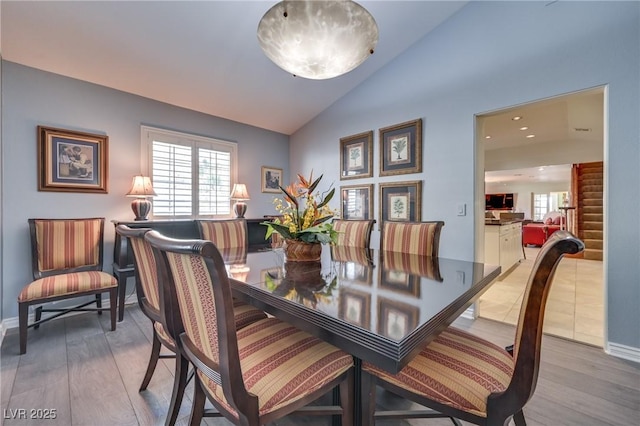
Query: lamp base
x: 240, y: 208
x: 141, y: 208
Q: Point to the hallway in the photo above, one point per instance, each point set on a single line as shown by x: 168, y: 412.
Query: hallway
x: 575, y: 308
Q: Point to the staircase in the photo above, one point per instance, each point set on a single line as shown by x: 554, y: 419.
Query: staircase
x: 589, y: 211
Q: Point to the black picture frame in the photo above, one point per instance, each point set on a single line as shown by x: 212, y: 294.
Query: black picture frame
x: 70, y: 161
x: 400, y: 281
x: 401, y: 148
x: 396, y: 319
x: 271, y: 179
x: 355, y: 308
x: 356, y: 156
x: 356, y: 202
x: 400, y: 201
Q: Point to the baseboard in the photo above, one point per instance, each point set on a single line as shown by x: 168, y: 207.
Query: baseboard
x: 622, y: 351
x: 9, y: 323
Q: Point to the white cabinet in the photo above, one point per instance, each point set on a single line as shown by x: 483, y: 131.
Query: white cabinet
x: 503, y: 245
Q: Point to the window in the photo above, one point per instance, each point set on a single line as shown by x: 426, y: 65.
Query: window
x: 192, y: 175
x: 540, y: 206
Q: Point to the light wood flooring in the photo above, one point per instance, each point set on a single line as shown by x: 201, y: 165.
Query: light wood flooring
x: 575, y: 308
x: 91, y: 377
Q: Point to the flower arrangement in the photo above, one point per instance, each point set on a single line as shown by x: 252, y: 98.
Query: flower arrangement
x: 304, y: 213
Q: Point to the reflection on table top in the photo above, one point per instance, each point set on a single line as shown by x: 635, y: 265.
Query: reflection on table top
x: 382, y: 307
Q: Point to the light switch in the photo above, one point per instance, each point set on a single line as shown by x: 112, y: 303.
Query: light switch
x: 462, y: 209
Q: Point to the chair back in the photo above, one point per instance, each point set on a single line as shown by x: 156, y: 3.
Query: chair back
x: 415, y: 264
x: 60, y: 246
x: 360, y: 255
x: 145, y: 270
x: 195, y: 293
x: 421, y: 238
x: 353, y: 233
x: 528, y: 338
x: 224, y: 234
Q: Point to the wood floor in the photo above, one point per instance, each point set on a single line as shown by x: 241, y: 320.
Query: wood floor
x: 90, y: 376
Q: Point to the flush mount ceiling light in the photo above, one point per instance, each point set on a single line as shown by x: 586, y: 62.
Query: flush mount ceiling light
x: 318, y: 39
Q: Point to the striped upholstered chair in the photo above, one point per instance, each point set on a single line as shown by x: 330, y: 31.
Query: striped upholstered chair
x: 468, y: 378
x: 148, y: 294
x: 66, y: 262
x: 225, y: 234
x: 412, y: 237
x: 353, y: 233
x: 254, y: 375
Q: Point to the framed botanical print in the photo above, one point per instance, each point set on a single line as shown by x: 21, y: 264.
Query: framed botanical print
x: 70, y: 161
x: 355, y: 308
x: 357, y: 202
x: 401, y: 148
x: 356, y: 156
x: 400, y: 281
x: 400, y: 201
x: 395, y: 319
x: 271, y: 179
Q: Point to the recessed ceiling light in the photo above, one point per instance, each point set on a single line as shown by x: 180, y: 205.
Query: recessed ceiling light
x: 516, y: 118
x: 524, y: 128
x: 531, y: 136
x: 487, y: 137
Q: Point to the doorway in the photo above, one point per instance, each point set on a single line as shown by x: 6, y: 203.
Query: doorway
x: 529, y: 150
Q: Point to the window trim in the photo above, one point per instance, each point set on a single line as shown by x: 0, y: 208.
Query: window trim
x: 149, y: 133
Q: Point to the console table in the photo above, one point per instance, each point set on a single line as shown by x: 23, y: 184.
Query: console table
x: 123, y: 266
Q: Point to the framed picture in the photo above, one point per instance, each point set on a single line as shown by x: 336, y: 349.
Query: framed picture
x: 357, y: 202
x: 400, y: 281
x: 355, y: 308
x: 400, y: 201
x: 401, y: 148
x: 395, y: 319
x: 356, y: 156
x: 355, y: 272
x: 271, y: 179
x: 71, y: 161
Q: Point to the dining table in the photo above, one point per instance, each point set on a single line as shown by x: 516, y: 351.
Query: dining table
x: 381, y: 307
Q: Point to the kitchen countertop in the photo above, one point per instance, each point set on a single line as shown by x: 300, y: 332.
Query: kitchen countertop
x: 499, y: 222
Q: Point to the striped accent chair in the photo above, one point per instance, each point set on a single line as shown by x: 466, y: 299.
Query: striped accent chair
x: 465, y: 377
x: 360, y: 255
x: 252, y: 376
x: 66, y: 262
x: 148, y: 294
x: 225, y: 234
x: 353, y: 233
x: 415, y: 264
x: 412, y: 237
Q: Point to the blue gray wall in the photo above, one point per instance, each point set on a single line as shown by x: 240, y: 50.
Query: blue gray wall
x: 489, y: 56
x: 31, y: 97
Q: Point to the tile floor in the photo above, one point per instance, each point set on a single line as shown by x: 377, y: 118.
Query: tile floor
x: 575, y: 308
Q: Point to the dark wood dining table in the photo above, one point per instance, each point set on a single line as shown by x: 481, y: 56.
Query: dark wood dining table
x: 381, y: 307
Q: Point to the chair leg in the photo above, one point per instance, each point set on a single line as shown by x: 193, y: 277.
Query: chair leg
x: 346, y: 400
x: 518, y: 419
x: 23, y: 317
x: 179, y: 386
x: 113, y: 306
x: 197, y: 408
x: 99, y: 302
x: 368, y: 386
x: 38, y: 316
x: 153, y: 361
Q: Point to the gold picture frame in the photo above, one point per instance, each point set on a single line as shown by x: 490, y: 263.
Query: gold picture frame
x: 356, y: 156
x: 401, y: 148
x: 71, y: 161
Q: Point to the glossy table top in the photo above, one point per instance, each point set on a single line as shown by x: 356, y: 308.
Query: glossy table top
x: 382, y: 307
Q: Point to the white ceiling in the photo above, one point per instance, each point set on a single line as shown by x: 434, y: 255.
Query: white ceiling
x: 201, y: 55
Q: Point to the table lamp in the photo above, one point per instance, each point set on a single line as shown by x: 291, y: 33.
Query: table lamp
x: 240, y: 194
x: 141, y: 189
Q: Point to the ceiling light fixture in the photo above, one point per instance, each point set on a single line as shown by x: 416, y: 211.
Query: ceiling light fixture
x: 531, y: 136
x: 487, y: 137
x: 318, y: 39
x: 524, y: 128
x: 516, y: 118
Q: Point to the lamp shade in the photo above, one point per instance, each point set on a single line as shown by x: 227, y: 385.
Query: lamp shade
x: 141, y: 187
x: 239, y: 192
x: 318, y: 39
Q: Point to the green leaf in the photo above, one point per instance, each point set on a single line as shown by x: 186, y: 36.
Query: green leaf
x: 314, y: 184
x: 291, y: 197
x: 327, y: 198
x: 280, y: 229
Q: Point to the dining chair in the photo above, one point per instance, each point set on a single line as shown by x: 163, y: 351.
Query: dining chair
x: 465, y: 377
x: 411, y: 237
x: 254, y: 375
x: 147, y: 292
x: 66, y: 262
x: 415, y: 264
x: 353, y: 233
x: 225, y: 234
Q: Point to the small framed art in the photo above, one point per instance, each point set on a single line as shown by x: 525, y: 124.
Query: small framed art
x: 271, y: 179
x: 355, y: 308
x: 400, y: 201
x: 70, y: 161
x: 357, y: 202
x: 356, y: 156
x: 400, y: 281
x: 401, y: 148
